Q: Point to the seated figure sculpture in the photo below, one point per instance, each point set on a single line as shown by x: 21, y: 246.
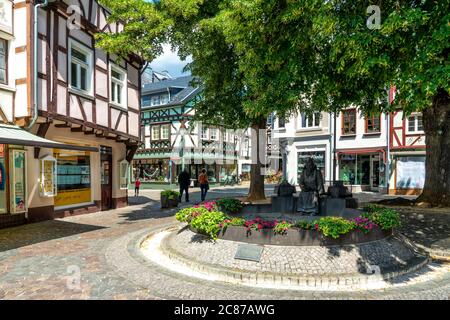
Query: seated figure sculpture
x: 311, y: 184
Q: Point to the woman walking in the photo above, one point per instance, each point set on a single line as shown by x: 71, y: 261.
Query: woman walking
x: 204, y: 184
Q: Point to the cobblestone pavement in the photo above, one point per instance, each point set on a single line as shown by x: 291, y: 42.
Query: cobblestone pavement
x: 339, y: 260
x: 87, y: 257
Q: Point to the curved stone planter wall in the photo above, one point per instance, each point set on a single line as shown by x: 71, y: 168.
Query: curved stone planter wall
x: 298, y: 237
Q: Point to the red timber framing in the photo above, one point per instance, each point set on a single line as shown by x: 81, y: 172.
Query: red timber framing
x: 91, y: 113
x: 400, y: 139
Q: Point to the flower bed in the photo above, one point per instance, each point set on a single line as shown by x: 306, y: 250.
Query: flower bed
x: 374, y: 224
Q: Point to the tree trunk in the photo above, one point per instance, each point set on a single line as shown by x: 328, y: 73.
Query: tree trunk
x: 258, y: 140
x: 436, y: 122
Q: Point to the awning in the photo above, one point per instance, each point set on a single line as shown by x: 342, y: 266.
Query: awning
x: 10, y: 134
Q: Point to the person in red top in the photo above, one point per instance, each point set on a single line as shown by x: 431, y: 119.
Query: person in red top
x: 204, y: 184
x: 137, y: 185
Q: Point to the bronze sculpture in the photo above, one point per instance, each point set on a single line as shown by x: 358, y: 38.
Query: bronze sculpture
x: 311, y: 184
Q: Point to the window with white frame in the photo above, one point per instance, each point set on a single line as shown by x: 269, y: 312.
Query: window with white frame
x: 204, y: 133
x: 415, y: 123
x: 213, y: 134
x: 164, y: 99
x: 165, y: 132
x: 156, y: 101
x: 80, y: 70
x: 118, y: 86
x: 308, y: 121
x: 155, y: 132
x: 3, y: 61
x: 246, y: 147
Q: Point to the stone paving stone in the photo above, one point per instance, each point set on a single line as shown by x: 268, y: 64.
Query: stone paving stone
x: 34, y: 261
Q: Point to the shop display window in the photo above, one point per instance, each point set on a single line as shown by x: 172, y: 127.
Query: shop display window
x: 3, y: 175
x: 318, y: 157
x: 73, y: 178
x: 347, y: 169
x: 410, y: 172
x: 363, y: 170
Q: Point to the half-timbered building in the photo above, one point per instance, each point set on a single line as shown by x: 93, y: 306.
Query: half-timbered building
x: 172, y: 141
x: 84, y: 102
x: 407, y: 146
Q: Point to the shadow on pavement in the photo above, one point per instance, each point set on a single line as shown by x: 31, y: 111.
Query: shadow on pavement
x: 29, y: 234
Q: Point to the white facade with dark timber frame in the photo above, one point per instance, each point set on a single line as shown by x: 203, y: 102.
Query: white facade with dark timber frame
x: 86, y: 99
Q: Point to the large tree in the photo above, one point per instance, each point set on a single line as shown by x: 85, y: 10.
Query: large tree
x: 254, y: 57
x: 409, y: 49
x: 235, y: 49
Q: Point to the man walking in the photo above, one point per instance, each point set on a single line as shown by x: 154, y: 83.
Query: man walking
x: 184, y: 180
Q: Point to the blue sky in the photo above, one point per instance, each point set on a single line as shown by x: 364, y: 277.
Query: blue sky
x: 170, y: 61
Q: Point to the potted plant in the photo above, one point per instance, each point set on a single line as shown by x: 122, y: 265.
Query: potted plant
x: 169, y: 199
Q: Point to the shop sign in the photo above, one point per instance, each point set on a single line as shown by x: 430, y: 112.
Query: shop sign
x: 70, y: 197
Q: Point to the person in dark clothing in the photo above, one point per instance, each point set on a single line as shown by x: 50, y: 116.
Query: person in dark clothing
x: 184, y: 180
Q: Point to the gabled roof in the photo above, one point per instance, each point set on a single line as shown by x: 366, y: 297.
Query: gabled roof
x: 183, y: 96
x: 181, y: 82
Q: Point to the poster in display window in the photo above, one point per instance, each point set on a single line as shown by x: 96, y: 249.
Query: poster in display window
x: 18, y: 181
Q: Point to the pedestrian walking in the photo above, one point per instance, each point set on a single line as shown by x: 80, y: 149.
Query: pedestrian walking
x: 204, y: 184
x: 184, y: 180
x: 137, y: 185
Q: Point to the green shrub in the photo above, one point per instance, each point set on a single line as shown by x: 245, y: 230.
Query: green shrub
x: 386, y: 218
x: 334, y: 227
x: 303, y: 224
x: 187, y: 214
x: 170, y: 194
x: 372, y: 208
x: 230, y: 205
x: 282, y: 227
x: 208, y: 223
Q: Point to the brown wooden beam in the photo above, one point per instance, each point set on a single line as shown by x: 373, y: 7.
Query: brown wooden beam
x: 77, y: 129
x: 62, y: 125
x: 89, y: 131
x: 41, y: 132
x: 131, y: 150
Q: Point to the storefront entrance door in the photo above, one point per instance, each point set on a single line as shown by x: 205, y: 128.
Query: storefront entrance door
x: 106, y: 177
x: 375, y: 174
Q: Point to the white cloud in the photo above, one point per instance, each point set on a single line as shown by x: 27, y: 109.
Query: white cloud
x: 170, y: 61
